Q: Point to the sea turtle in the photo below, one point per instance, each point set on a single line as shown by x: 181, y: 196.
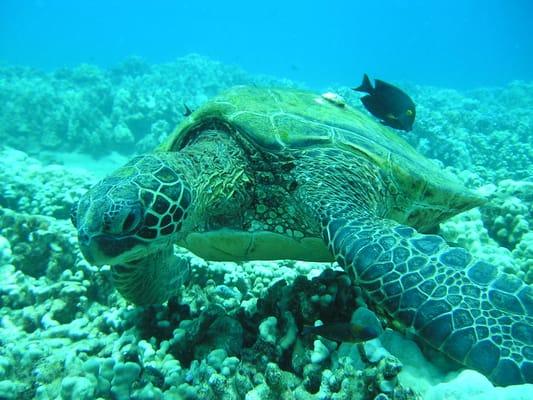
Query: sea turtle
x: 266, y: 173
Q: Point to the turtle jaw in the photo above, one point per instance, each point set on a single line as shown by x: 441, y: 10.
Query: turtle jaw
x: 107, y: 249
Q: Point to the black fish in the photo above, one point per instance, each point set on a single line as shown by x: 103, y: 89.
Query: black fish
x: 187, y: 111
x: 390, y: 104
x: 343, y: 332
x: 363, y: 326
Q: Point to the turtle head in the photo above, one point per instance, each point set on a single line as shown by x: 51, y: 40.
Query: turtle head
x: 133, y: 213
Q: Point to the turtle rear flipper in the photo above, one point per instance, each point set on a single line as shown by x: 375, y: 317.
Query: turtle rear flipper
x: 153, y: 279
x: 458, y: 305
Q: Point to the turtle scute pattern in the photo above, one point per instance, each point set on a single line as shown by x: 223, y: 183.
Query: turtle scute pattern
x: 462, y: 307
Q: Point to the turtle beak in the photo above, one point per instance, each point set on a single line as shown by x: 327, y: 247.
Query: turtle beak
x: 103, y: 249
x: 88, y: 250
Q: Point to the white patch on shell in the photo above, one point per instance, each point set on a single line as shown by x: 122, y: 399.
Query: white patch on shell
x: 334, y: 98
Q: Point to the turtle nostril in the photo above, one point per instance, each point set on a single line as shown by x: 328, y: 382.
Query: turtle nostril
x: 128, y: 222
x: 132, y: 220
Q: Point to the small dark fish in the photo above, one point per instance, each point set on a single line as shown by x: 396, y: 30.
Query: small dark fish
x: 363, y: 326
x: 343, y: 332
x: 387, y: 102
x: 187, y: 111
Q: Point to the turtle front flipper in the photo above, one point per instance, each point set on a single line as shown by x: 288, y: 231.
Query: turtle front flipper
x: 458, y: 305
x: 153, y: 279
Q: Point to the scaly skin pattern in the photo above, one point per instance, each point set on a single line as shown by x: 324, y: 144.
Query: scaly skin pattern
x: 152, y: 279
x: 458, y: 305
x: 139, y: 207
x: 132, y: 219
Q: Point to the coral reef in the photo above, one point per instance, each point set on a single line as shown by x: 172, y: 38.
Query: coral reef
x: 130, y: 107
x: 235, y: 331
x: 463, y: 129
x: 31, y: 187
x: 133, y: 106
x: 509, y: 215
x: 218, y: 350
x: 471, y: 385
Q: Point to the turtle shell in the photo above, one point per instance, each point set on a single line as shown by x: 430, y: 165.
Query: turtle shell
x: 280, y: 120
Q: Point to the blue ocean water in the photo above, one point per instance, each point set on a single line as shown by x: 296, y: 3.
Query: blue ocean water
x: 454, y: 43
x: 80, y: 106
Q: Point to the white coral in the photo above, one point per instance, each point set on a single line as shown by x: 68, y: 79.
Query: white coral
x: 6, y: 255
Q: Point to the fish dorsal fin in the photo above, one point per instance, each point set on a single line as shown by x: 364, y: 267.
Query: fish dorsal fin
x: 365, y: 86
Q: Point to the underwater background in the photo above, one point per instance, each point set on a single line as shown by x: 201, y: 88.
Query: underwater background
x: 86, y: 85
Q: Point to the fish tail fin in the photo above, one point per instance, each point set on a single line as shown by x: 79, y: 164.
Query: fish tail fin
x: 365, y: 86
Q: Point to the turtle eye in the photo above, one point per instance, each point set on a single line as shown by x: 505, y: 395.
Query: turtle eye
x: 132, y: 220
